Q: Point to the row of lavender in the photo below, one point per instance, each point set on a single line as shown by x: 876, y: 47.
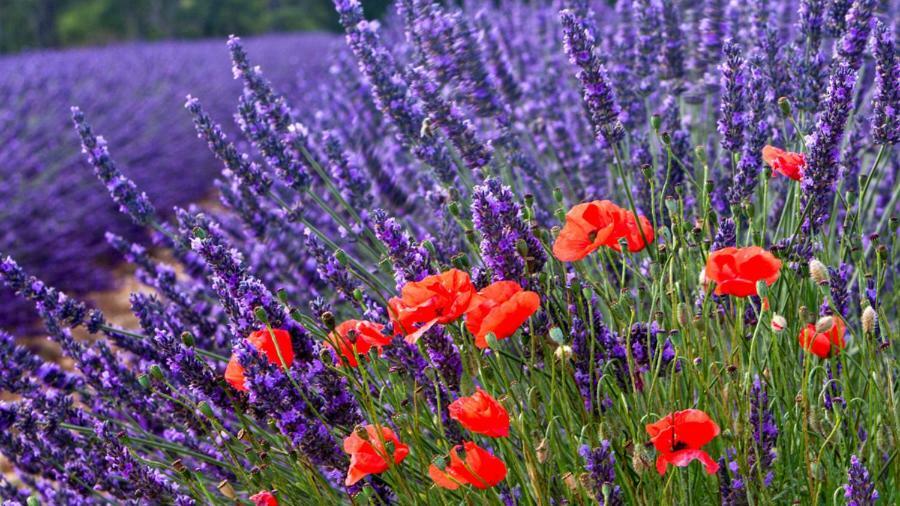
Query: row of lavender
x: 437, y: 159
x: 53, y: 218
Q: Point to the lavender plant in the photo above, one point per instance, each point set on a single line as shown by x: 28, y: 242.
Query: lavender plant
x: 500, y: 254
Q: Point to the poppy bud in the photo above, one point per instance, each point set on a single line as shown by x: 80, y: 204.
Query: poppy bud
x: 702, y: 279
x: 260, y: 314
x: 33, y: 501
x: 429, y: 247
x: 557, y: 195
x: 206, y: 409
x: 818, y: 272
x: 684, y: 314
x: 563, y: 352
x: 700, y: 153
x: 655, y: 122
x: 226, y: 489
x: 328, y: 320
x: 282, y: 296
x: 199, y: 233
x: 460, y: 262
x: 778, y: 323
x: 762, y: 289
x: 805, y: 315
x: 453, y: 207
x: 357, y: 295
x: 144, y: 381
x: 491, y: 340
x: 179, y: 466
x: 824, y: 324
x: 666, y: 138
x: 187, y: 338
x: 647, y: 170
x: 869, y: 318
x: 341, y: 257
x: 785, y: 105
x: 156, y: 372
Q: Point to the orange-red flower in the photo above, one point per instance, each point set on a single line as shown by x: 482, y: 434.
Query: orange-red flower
x: 679, y: 437
x: 600, y: 223
x: 825, y: 338
x: 479, y: 469
x: 787, y: 163
x: 264, y: 498
x: 440, y: 298
x: 358, y: 335
x: 481, y: 413
x: 368, y: 454
x: 736, y: 270
x: 263, y: 342
x: 501, y: 308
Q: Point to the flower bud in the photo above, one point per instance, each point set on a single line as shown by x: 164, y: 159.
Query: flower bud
x: 655, y: 121
x: 226, y: 489
x: 824, y: 324
x: 156, y: 372
x: 187, y: 338
x: 869, y: 318
x: 778, y: 323
x: 785, y: 105
x: 702, y: 279
x: 558, y: 195
x: 818, y: 272
x: 563, y: 352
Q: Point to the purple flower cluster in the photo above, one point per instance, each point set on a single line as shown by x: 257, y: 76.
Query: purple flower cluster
x: 600, y: 463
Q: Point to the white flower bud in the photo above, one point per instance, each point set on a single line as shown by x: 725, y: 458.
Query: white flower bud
x: 869, y: 318
x: 824, y: 324
x: 818, y: 272
x: 778, y: 323
x: 563, y: 352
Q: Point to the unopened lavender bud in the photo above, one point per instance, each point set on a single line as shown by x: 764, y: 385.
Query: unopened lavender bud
x: 869, y: 318
x: 818, y: 272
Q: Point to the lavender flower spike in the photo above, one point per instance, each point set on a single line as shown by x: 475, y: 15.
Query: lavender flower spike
x: 600, y: 462
x: 598, y: 96
x: 731, y: 123
x: 859, y: 489
x: 124, y: 192
x: 820, y: 177
x: 885, y: 124
x: 852, y: 44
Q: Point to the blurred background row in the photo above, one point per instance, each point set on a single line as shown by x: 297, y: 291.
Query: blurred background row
x: 35, y: 24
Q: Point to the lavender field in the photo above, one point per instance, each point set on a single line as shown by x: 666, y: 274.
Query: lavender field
x: 539, y: 253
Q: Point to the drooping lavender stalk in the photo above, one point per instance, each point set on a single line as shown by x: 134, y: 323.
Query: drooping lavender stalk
x: 859, y: 489
x: 820, y: 176
x: 446, y: 116
x: 598, y: 96
x: 123, y: 191
x: 731, y: 122
x: 600, y: 463
x: 886, y: 102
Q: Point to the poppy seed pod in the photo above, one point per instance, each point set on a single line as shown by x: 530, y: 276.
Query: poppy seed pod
x: 869, y: 319
x: 818, y: 272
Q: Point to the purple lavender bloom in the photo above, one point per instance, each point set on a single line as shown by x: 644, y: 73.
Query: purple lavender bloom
x: 838, y: 279
x: 499, y: 219
x: 765, y: 430
x: 411, y: 261
x: 444, y: 357
x: 731, y: 122
x: 446, y: 116
x: 820, y: 176
x: 600, y: 463
x: 732, y: 488
x: 885, y: 124
x: 836, y: 17
x: 594, y: 348
x: 122, y: 190
x: 725, y: 235
x: 390, y: 91
x: 852, y: 44
x: 18, y: 365
x: 859, y: 489
x: 672, y: 55
x: 349, y: 178
x: 599, y: 99
x: 832, y: 388
x: 748, y: 168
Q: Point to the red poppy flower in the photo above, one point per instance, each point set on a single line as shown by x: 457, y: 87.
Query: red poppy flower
x: 736, y: 270
x: 599, y: 223
x: 479, y: 469
x: 679, y: 437
x: 360, y: 335
x: 824, y: 338
x: 368, y: 454
x: 263, y: 342
x: 440, y: 298
x: 787, y: 163
x: 501, y: 308
x: 264, y: 498
x: 481, y: 414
